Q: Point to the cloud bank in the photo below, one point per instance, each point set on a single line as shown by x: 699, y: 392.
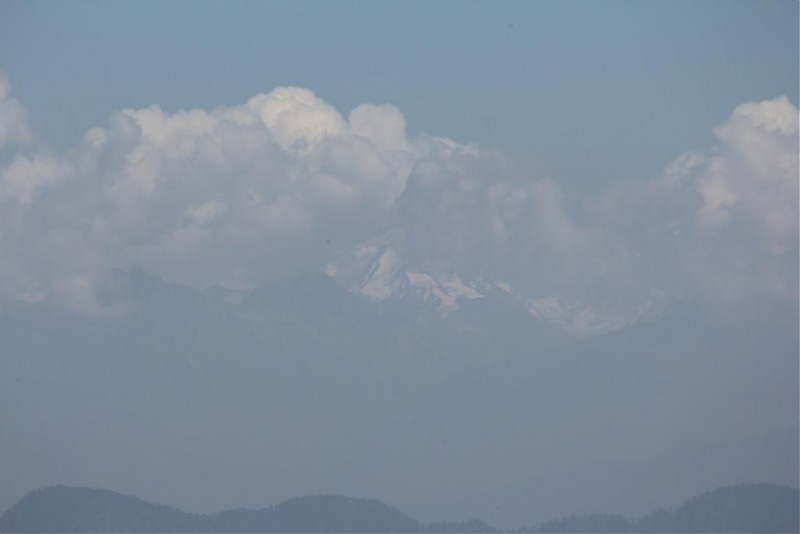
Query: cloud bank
x: 246, y: 194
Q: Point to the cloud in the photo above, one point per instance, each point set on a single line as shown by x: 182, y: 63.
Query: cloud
x: 244, y: 194
x: 236, y: 195
x: 719, y: 224
x: 723, y: 222
x: 473, y: 211
x: 24, y: 177
x: 13, y: 116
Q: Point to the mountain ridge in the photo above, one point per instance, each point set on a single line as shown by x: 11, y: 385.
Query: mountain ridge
x: 741, y: 508
x: 379, y: 271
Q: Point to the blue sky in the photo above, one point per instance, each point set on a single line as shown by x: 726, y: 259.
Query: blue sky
x: 586, y: 92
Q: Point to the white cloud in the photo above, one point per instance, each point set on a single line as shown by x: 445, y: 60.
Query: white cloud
x: 206, y: 212
x: 283, y: 182
x: 723, y: 222
x: 296, y: 118
x: 383, y: 125
x: 244, y: 192
x: 24, y: 177
x: 720, y: 223
x: 13, y: 115
x: 477, y: 213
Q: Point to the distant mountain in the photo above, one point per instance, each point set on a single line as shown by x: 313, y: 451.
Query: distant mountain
x: 66, y: 509
x: 471, y: 526
x: 745, y: 508
x: 334, y: 513
x: 379, y: 271
x: 584, y: 319
x: 586, y: 523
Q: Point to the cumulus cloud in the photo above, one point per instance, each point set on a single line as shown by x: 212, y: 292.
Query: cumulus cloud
x: 723, y: 222
x: 13, y: 115
x: 21, y: 181
x: 235, y: 195
x: 474, y: 212
x: 243, y: 194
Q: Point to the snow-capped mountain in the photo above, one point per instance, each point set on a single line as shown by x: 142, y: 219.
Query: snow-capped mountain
x: 583, y: 319
x: 379, y: 271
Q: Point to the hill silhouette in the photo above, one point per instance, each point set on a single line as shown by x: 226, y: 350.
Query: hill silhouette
x: 745, y: 508
x: 66, y: 509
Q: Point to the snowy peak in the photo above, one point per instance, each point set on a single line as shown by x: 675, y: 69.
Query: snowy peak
x: 385, y: 276
x: 446, y: 292
x: 575, y: 317
x: 373, y: 271
x: 585, y: 319
x: 380, y: 273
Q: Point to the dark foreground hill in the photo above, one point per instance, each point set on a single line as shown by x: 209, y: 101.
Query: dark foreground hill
x: 747, y: 508
x: 66, y: 509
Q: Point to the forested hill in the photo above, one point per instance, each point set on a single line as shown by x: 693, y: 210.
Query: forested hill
x: 66, y: 509
x: 746, y: 508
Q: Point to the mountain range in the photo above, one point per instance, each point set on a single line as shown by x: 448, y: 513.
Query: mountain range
x: 381, y: 271
x: 746, y: 508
